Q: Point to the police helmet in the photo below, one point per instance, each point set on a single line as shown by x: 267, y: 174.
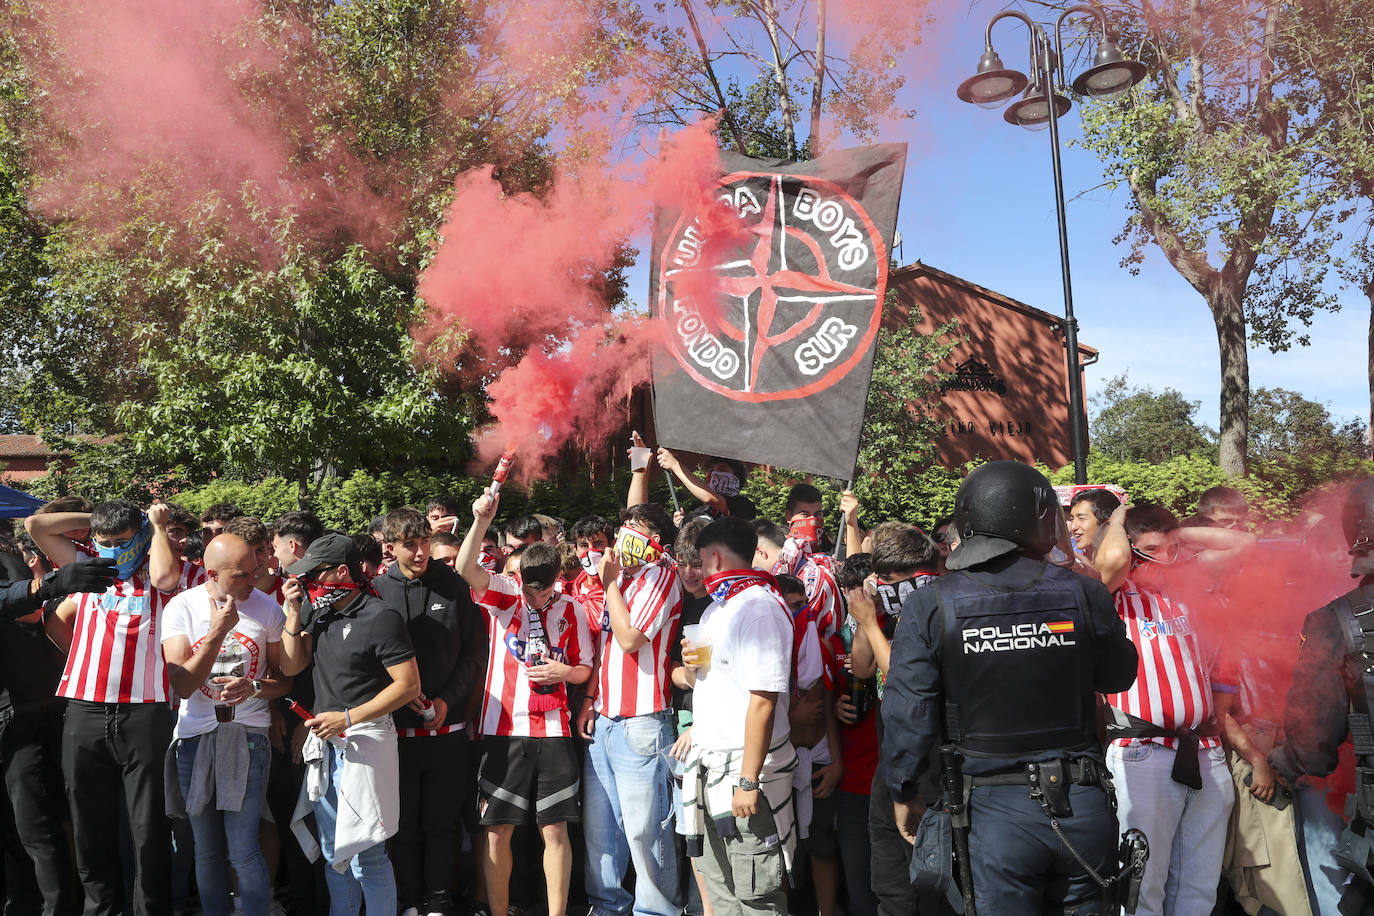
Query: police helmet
x: 1358, y: 522
x: 1003, y: 507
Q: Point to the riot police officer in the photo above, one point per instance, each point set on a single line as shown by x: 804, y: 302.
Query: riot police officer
x: 1002, y: 659
x: 1333, y: 695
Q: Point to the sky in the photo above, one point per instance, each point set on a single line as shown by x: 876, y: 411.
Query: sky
x: 978, y: 202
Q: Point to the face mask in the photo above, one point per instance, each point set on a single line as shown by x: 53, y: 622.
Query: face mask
x: 590, y: 560
x: 891, y: 596
x: 130, y: 555
x: 636, y: 549
x: 324, y: 595
x: 723, y: 483
x: 807, y: 529
x: 487, y: 559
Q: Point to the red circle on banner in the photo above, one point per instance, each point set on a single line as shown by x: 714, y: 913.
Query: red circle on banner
x: 809, y: 238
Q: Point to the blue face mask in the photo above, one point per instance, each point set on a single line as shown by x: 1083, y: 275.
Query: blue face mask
x: 130, y: 556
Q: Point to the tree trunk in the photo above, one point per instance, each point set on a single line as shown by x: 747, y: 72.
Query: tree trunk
x: 818, y: 85
x: 1369, y: 293
x: 726, y: 116
x: 785, y: 106
x: 1229, y: 315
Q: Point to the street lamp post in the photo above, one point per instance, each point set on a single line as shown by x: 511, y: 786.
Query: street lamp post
x: 1042, y: 105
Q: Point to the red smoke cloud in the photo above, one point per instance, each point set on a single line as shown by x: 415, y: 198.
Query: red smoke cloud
x: 162, y: 108
x: 518, y: 278
x: 1251, y: 610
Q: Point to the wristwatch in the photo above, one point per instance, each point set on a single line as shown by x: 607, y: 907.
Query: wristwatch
x: 257, y: 687
x: 747, y: 784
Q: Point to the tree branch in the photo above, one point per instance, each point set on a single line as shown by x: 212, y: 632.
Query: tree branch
x: 725, y: 114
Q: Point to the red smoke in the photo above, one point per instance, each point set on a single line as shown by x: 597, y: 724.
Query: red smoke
x: 165, y: 109
x: 518, y: 278
x: 1251, y: 610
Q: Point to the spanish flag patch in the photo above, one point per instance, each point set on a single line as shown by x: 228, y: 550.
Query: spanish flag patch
x: 1063, y: 626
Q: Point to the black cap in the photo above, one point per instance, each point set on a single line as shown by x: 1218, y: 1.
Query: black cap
x: 331, y: 550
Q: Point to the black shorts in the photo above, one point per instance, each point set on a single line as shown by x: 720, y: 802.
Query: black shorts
x: 821, y: 839
x: 529, y: 779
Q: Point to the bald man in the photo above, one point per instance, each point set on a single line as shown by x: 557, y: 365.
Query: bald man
x: 222, y: 644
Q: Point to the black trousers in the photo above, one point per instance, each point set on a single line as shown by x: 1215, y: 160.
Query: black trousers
x: 1022, y: 868
x: 112, y: 756
x: 30, y: 754
x: 436, y: 783
x: 890, y: 861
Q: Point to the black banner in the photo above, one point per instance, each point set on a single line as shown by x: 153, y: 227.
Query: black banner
x: 776, y: 370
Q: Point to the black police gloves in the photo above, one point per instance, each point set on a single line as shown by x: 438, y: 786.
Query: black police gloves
x: 94, y: 575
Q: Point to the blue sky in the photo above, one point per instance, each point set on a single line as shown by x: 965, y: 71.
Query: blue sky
x: 978, y: 201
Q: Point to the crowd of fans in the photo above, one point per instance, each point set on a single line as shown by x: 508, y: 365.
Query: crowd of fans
x: 443, y: 715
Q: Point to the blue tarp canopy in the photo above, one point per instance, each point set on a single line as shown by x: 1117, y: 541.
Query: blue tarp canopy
x: 15, y: 504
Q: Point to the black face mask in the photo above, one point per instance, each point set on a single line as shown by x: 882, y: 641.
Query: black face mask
x: 893, y: 596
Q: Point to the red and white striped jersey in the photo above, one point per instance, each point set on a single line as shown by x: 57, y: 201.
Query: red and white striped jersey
x: 192, y: 574
x: 822, y: 595
x: 1173, y: 686
x: 116, y: 651
x: 636, y: 683
x: 510, y: 705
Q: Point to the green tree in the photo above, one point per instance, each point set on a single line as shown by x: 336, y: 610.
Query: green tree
x: 899, y: 432
x: 1284, y: 425
x: 1131, y: 423
x: 1216, y: 148
x: 315, y: 378
x: 234, y: 329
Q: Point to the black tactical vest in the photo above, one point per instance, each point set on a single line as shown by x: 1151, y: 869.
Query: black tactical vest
x: 1017, y: 665
x: 1356, y: 618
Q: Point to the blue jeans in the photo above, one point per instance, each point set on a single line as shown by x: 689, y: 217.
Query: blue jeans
x: 1022, y: 868
x: 627, y: 816
x: 223, y: 838
x: 1186, y: 827
x: 1320, y: 837
x: 369, y: 875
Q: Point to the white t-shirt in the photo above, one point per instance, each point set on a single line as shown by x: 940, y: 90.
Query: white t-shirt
x: 260, y: 622
x: 751, y: 649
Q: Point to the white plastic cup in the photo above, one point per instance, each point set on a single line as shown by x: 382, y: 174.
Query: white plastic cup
x: 696, y: 639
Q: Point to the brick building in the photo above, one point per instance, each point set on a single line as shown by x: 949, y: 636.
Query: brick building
x: 1009, y: 395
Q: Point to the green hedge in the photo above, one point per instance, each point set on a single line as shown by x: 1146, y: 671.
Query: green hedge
x: 350, y: 503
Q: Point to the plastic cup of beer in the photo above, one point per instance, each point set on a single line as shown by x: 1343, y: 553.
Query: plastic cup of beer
x: 697, y: 641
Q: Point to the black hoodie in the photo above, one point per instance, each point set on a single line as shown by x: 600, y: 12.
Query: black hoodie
x: 449, y: 632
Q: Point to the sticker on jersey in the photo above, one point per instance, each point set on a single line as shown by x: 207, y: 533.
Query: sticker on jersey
x: 1019, y: 637
x: 1172, y: 626
x: 124, y: 605
x: 770, y: 309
